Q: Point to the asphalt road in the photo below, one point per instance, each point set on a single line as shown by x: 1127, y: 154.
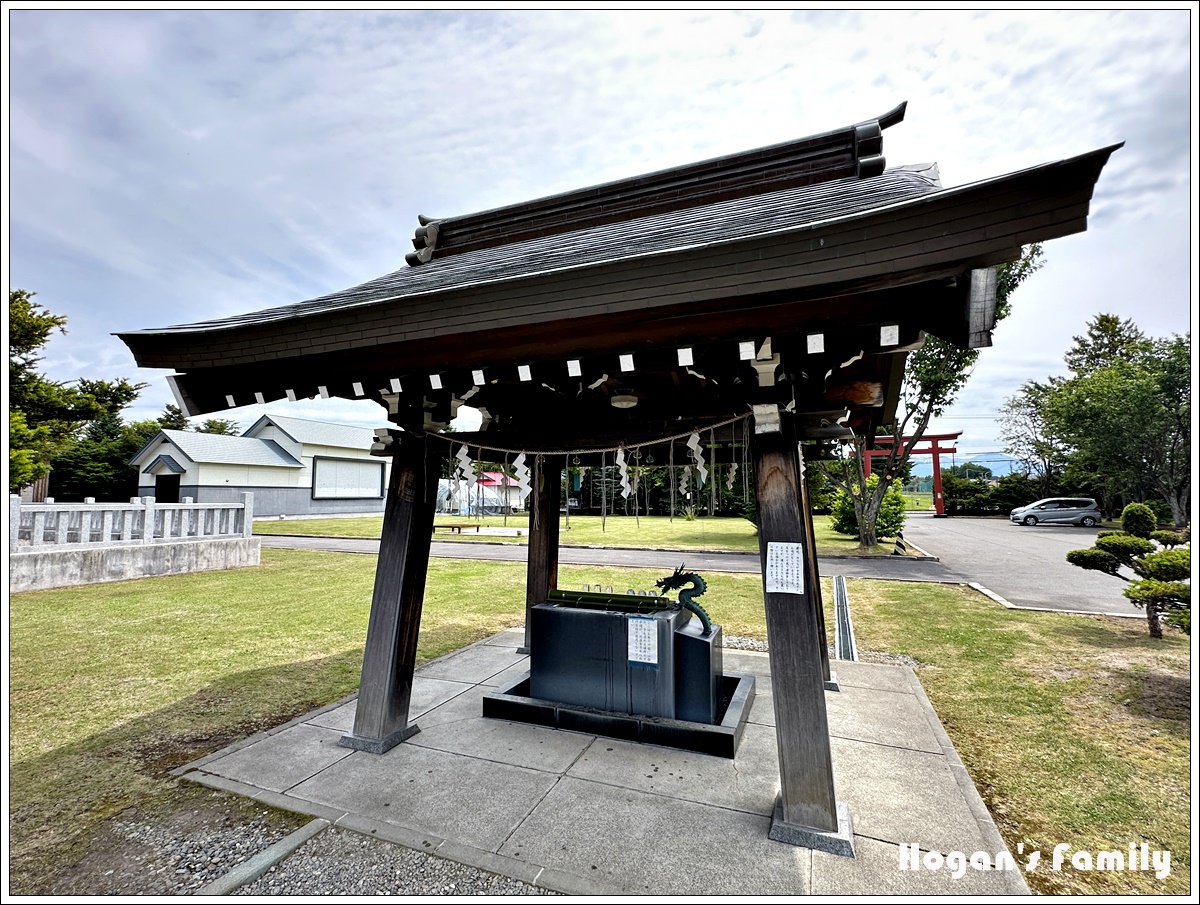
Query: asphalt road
x: 1026, y: 566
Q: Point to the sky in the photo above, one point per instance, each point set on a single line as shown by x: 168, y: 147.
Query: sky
x: 173, y: 166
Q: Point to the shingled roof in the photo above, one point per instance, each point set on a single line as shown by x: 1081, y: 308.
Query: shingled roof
x: 316, y: 433
x: 810, y: 235
x: 224, y: 449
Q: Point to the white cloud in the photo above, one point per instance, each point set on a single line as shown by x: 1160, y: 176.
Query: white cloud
x: 176, y: 166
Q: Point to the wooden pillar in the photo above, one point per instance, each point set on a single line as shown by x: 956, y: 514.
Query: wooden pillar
x: 381, y: 719
x: 813, y: 575
x: 939, y: 502
x: 807, y: 812
x: 541, y: 575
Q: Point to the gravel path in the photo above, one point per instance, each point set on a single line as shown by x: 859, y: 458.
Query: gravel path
x: 344, y: 863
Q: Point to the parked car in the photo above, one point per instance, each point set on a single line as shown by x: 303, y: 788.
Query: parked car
x: 1059, y: 511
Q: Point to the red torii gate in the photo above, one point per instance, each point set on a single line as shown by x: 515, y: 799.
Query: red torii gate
x: 935, y: 449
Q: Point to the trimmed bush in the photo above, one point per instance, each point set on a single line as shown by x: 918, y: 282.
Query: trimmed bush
x: 1168, y: 538
x: 1125, y: 547
x: 1094, y: 559
x: 1165, y: 565
x: 1166, y: 595
x: 1139, y: 520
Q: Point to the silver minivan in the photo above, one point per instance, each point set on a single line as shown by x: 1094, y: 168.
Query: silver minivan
x: 1059, y: 511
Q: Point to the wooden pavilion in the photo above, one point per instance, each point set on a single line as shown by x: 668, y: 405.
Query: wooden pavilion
x: 754, y: 301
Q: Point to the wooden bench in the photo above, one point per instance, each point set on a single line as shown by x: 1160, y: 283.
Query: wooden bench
x: 455, y: 528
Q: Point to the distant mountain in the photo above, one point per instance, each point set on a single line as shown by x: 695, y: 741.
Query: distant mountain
x: 1000, y: 463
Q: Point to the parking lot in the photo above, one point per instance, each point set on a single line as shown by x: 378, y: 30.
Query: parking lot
x: 1026, y: 566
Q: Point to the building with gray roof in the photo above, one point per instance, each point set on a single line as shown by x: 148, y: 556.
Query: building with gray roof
x: 294, y: 467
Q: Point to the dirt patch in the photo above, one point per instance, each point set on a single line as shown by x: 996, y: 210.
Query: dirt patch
x: 173, y: 837
x: 175, y: 848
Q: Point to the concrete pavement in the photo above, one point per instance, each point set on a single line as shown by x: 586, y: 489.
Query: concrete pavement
x: 588, y: 815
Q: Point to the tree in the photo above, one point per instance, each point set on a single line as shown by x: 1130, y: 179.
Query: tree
x: 1163, y: 588
x: 890, y: 521
x: 50, y: 412
x: 963, y: 496
x: 971, y: 471
x: 173, y: 418
x: 933, y: 376
x: 1109, y: 339
x: 1128, y: 423
x: 1029, y: 439
x: 29, y: 452
x: 96, y: 464
x: 219, y: 426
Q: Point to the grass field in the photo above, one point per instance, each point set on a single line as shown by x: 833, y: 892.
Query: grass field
x: 589, y: 530
x: 1075, y: 729
x: 918, y: 501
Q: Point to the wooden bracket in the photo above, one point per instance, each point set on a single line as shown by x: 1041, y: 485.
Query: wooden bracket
x: 766, y: 364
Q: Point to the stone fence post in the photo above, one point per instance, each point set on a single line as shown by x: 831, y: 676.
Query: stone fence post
x: 247, y: 514
x: 14, y: 521
x: 148, y: 520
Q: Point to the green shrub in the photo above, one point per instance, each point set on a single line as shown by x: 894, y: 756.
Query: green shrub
x: 1139, y: 520
x: 1167, y: 595
x: 1168, y: 538
x: 891, y: 516
x: 1162, y: 512
x: 1165, y: 565
x: 1098, y: 560
x: 1163, y: 588
x: 1011, y: 491
x: 1125, y: 547
x: 965, y: 497
x: 1181, y: 619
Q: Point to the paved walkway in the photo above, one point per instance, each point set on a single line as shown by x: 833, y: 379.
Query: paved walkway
x: 588, y: 815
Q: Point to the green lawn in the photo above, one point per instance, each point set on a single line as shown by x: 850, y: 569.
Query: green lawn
x: 589, y: 530
x: 1075, y: 729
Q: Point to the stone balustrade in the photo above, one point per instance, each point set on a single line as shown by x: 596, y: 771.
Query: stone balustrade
x: 60, y: 526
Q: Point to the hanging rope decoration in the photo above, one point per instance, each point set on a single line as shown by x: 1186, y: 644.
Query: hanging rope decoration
x: 729, y: 478
x: 466, y: 468
x: 449, y: 438
x: 603, y: 493
x: 712, y: 487
x: 541, y: 488
x: 634, y: 481
x: 671, y: 477
x: 745, y: 462
x: 698, y: 457
x: 521, y: 473
x: 623, y: 471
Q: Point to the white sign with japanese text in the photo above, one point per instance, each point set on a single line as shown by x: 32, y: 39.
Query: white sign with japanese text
x: 785, y: 568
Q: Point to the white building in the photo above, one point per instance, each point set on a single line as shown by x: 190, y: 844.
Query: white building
x: 292, y: 466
